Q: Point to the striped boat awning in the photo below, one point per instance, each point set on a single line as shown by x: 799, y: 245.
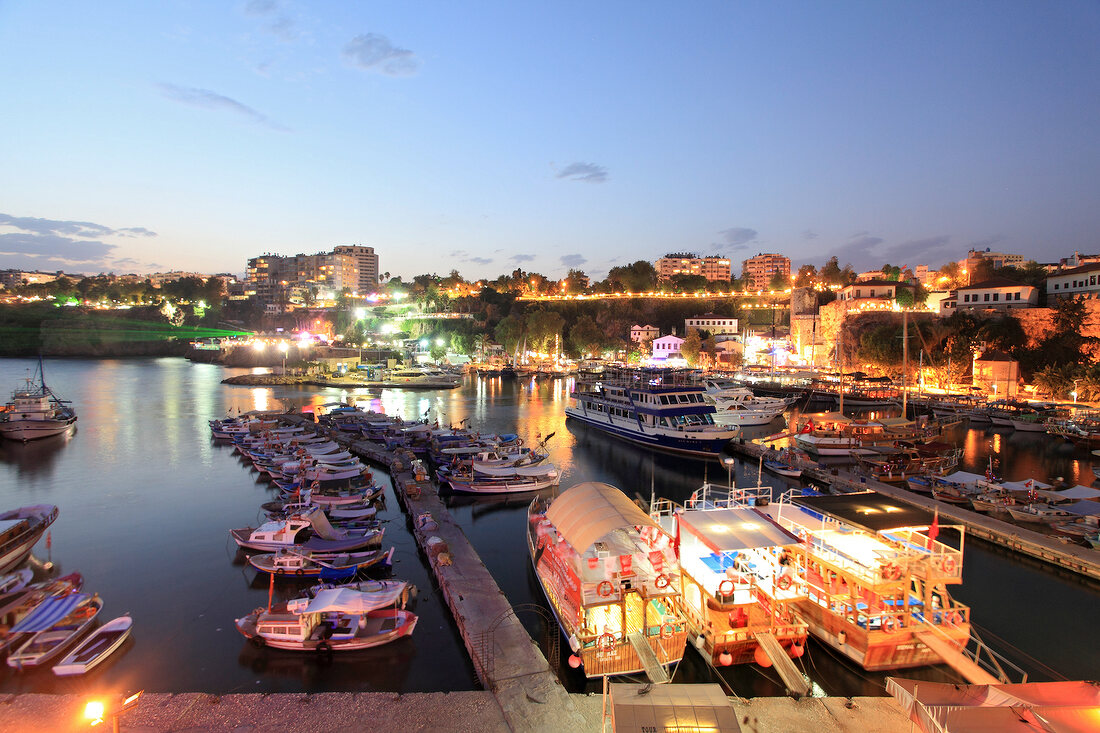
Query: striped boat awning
x: 49, y: 612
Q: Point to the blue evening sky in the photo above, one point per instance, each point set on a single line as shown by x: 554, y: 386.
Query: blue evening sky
x: 485, y: 136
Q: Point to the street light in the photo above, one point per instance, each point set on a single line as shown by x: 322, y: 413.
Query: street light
x: 729, y: 471
x: 1074, y: 392
x: 96, y: 710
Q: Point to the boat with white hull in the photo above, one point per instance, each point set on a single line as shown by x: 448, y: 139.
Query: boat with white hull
x: 663, y: 409
x: 36, y: 412
x: 20, y: 529
x: 99, y: 645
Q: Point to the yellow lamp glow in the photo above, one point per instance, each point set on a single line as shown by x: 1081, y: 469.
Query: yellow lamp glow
x: 93, y: 711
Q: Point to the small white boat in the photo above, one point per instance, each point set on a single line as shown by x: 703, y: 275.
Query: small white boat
x: 36, y: 412
x: 98, y: 646
x: 20, y: 529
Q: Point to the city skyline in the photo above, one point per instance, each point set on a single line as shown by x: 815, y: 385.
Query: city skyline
x: 195, y: 136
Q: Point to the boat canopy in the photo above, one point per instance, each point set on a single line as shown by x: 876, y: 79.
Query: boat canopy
x: 1029, y: 485
x: 588, y: 511
x: 1084, y: 507
x: 1080, y: 492
x: 1030, y: 706
x: 736, y: 528
x: 894, y: 422
x: 870, y: 510
x: 49, y: 612
x: 964, y: 477
x: 833, y: 417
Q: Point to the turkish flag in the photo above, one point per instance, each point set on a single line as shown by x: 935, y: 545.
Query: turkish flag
x: 807, y: 428
x: 934, y: 529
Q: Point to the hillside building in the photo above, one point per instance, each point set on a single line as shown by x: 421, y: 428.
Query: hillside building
x: 757, y: 272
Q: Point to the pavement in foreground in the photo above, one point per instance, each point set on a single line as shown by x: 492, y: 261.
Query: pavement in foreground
x: 439, y: 711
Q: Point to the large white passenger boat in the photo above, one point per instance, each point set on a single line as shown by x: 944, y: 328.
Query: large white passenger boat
x: 664, y: 409
x: 612, y: 579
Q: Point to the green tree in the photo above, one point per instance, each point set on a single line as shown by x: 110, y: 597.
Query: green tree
x: 692, y: 346
x: 687, y: 283
x: 806, y: 277
x: 831, y: 273
x: 585, y: 337
x: 508, y: 332
x: 543, y: 329
x: 576, y: 282
x: 779, y: 281
x: 638, y: 277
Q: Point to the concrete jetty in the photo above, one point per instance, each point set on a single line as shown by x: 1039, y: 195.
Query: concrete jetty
x: 1074, y: 558
x: 507, y: 661
x: 461, y: 712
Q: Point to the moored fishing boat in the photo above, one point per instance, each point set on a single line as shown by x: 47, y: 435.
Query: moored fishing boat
x: 55, y: 625
x: 335, y: 620
x: 501, y: 480
x: 663, y: 409
x: 36, y: 412
x: 293, y: 563
x: 20, y: 529
x: 298, y: 532
x: 741, y: 576
x: 99, y: 645
x: 611, y: 577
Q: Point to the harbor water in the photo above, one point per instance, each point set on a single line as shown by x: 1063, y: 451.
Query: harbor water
x: 147, y: 501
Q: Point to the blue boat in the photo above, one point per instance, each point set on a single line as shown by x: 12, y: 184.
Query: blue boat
x: 662, y: 409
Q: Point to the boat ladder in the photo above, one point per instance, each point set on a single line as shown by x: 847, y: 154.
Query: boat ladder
x: 656, y: 672
x: 796, y: 682
x: 979, y: 665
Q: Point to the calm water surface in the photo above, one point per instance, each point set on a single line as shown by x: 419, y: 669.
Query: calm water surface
x: 147, y: 501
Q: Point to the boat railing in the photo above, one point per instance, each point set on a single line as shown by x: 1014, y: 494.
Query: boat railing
x: 975, y: 649
x: 716, y: 496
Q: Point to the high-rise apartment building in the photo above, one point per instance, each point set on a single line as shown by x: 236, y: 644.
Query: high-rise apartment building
x: 712, y: 267
x: 367, y: 262
x: 276, y: 279
x: 758, y: 271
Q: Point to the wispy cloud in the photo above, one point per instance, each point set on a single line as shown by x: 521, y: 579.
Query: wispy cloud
x: 573, y: 260
x: 374, y: 52
x: 587, y: 172
x: 52, y: 244
x: 522, y: 258
x: 463, y: 256
x: 206, y: 99
x: 480, y: 260
x: 809, y: 234
x: 987, y: 242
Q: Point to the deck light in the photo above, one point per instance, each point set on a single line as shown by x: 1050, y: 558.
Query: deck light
x: 93, y: 712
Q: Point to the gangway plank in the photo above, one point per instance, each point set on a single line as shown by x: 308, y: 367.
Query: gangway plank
x: 956, y: 658
x: 796, y: 683
x: 654, y: 670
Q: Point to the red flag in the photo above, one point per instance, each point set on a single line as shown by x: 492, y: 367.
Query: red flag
x: 807, y: 428
x: 934, y: 529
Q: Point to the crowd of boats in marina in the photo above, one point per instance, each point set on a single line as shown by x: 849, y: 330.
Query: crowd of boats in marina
x: 50, y: 623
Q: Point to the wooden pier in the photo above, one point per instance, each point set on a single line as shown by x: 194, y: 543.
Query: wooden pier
x: 1074, y: 558
x: 508, y: 663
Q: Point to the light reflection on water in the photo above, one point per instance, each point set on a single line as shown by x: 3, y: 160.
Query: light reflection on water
x: 147, y: 501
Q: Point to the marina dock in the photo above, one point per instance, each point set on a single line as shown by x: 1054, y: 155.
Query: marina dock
x: 508, y: 663
x: 1074, y: 558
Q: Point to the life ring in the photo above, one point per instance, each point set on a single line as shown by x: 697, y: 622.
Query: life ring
x: 784, y: 582
x: 723, y: 585
x: 891, y: 572
x: 605, y: 642
x: 667, y: 630
x: 662, y: 581
x: 324, y: 648
x: 889, y: 624
x: 605, y: 590
x: 948, y: 565
x: 280, y: 571
x: 299, y: 571
x: 955, y: 618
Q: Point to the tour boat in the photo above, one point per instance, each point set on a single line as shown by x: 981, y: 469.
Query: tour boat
x: 663, y: 409
x: 99, y: 645
x: 739, y: 406
x: 835, y: 434
x: 896, y: 465
x: 36, y: 412
x: 336, y: 620
x: 611, y: 577
x: 293, y: 563
x: 741, y: 574
x: 877, y: 577
x: 20, y: 529
x: 54, y: 626
x: 1041, y: 514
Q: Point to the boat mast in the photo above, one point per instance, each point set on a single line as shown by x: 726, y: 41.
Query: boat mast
x: 905, y: 363
x: 840, y: 362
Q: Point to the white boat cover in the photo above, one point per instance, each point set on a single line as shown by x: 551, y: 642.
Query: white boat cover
x: 588, y: 511
x: 49, y: 612
x: 347, y: 601
x: 964, y: 477
x: 322, y: 527
x: 1029, y: 485
x: 737, y: 528
x: 1055, y: 707
x: 540, y: 471
x: 1080, y: 492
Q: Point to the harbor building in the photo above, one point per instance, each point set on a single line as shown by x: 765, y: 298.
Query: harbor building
x: 286, y: 282
x: 714, y: 325
x: 758, y: 271
x: 641, y: 334
x: 1073, y: 282
x: 998, y: 293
